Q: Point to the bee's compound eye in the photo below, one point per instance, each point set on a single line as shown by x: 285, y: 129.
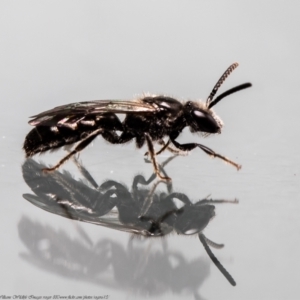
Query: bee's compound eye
x: 205, y: 122
x: 199, y: 114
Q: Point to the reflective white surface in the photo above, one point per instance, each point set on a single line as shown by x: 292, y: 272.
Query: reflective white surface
x: 54, y: 52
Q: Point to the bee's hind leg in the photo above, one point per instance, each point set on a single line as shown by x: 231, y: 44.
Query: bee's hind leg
x: 84, y: 143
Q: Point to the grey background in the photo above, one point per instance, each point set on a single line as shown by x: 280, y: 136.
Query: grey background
x: 57, y: 52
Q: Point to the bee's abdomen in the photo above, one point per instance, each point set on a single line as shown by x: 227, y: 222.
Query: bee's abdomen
x: 60, y: 133
x: 43, y: 138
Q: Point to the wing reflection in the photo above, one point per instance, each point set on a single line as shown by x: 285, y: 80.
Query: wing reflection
x: 140, y: 211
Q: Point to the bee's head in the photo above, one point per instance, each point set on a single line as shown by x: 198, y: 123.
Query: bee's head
x: 192, y: 219
x: 201, y: 119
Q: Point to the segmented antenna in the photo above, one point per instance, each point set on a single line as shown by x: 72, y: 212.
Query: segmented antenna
x: 229, y: 92
x: 220, y: 82
x: 203, y: 240
x: 213, y: 244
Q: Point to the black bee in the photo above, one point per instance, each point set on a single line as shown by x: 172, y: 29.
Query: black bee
x: 147, y: 119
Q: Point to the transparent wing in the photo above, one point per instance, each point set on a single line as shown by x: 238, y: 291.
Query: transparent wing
x: 93, y: 107
x: 110, y: 220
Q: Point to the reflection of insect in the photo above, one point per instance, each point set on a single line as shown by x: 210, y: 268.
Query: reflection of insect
x: 147, y: 119
x: 110, y: 264
x: 142, y: 212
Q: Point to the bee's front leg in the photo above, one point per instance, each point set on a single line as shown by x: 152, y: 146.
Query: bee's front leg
x: 191, y: 146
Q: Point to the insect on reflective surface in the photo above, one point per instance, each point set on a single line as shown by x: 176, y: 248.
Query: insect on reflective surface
x: 114, y: 206
x: 148, y: 119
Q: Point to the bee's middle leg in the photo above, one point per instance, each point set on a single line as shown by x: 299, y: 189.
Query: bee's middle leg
x: 153, y: 158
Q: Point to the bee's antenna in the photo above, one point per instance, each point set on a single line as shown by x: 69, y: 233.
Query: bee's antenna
x: 220, y: 82
x: 229, y: 92
x: 204, y: 241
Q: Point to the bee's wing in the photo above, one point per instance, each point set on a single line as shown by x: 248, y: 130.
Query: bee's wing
x: 93, y: 107
x: 110, y: 220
